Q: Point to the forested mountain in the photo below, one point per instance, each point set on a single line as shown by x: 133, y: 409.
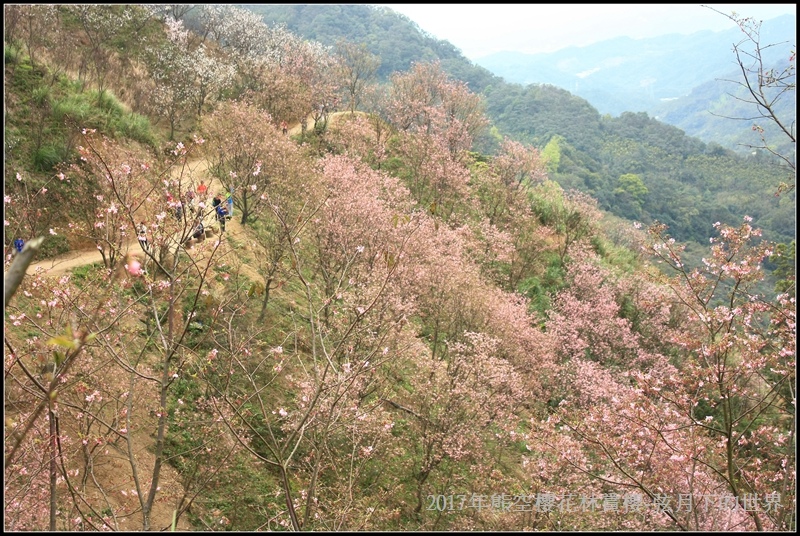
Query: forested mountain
x: 249, y: 285
x: 688, y: 81
x: 712, y: 108
x: 682, y: 186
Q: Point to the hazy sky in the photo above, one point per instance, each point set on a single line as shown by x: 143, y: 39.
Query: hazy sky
x: 481, y: 29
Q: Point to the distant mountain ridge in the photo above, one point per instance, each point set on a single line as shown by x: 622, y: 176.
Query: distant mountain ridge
x: 636, y: 75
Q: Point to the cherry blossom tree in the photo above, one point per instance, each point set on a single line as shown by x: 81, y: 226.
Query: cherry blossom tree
x: 356, y: 137
x: 510, y: 240
x: 735, y: 385
x: 426, y: 88
x: 172, y: 68
x: 248, y: 154
x: 212, y: 77
x: 26, y: 215
x: 91, y: 325
x: 438, y: 119
x: 683, y: 400
x: 342, y: 332
x: 357, y: 69
x: 376, y: 104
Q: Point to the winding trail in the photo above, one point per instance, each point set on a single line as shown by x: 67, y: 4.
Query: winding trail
x: 196, y: 170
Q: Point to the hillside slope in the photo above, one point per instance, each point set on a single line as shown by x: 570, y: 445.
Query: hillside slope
x: 399, y: 332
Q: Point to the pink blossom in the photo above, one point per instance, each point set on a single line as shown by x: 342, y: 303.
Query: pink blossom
x: 134, y: 268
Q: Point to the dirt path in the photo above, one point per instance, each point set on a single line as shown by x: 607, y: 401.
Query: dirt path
x: 196, y: 170
x: 111, y: 466
x: 57, y: 266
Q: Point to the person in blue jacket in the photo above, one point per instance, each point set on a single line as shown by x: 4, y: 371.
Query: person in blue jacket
x: 222, y: 215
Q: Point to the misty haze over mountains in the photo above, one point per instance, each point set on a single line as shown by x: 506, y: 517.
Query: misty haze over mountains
x: 663, y: 76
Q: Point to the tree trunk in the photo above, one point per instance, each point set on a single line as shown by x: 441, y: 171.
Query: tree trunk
x: 53, y: 465
x: 267, y: 286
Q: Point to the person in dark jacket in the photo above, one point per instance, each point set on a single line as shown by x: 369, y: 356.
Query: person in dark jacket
x: 222, y: 215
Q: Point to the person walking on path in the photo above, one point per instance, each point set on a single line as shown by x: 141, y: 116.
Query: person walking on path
x: 201, y: 190
x: 284, y: 127
x: 222, y: 215
x: 141, y: 230
x: 190, y: 197
x: 229, y: 197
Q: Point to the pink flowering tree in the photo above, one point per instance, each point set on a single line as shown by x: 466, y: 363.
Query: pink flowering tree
x: 740, y: 363
x: 437, y: 119
x: 318, y: 85
x: 26, y: 215
x: 356, y: 137
x: 427, y: 101
x: 248, y: 154
x: 679, y: 391
x: 509, y: 241
x: 309, y: 409
x: 111, y: 184
x: 129, y: 322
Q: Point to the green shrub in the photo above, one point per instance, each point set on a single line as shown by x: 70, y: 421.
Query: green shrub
x: 47, y: 157
x: 54, y: 245
x: 12, y: 54
x: 82, y: 273
x: 26, y: 78
x: 108, y: 102
x: 137, y: 127
x: 41, y: 96
x: 75, y: 107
